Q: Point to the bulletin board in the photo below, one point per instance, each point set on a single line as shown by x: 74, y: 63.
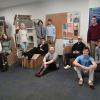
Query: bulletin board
x: 67, y: 24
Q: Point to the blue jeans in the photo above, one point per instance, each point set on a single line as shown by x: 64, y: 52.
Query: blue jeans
x: 24, y: 46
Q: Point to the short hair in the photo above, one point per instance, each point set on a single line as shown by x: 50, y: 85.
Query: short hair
x: 87, y: 49
x: 42, y: 38
x: 50, y: 20
x: 51, y: 46
x: 94, y: 17
x: 40, y: 21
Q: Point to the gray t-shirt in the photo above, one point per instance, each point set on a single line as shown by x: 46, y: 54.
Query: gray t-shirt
x: 51, y: 56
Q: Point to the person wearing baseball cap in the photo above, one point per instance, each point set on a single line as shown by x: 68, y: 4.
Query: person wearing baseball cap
x: 77, y: 49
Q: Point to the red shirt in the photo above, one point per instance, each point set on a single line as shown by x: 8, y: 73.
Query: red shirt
x: 93, y: 33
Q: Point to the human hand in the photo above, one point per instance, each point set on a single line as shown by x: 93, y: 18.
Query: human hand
x: 92, y: 67
x: 45, y: 63
x: 41, y: 49
x: 84, y: 67
x: 74, y: 52
x: 77, y: 51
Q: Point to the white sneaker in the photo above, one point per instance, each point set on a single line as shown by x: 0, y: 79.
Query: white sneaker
x: 67, y: 67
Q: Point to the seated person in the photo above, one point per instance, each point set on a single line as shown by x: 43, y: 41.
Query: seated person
x: 76, y: 51
x: 3, y: 60
x: 97, y: 52
x: 6, y: 44
x: 49, y: 61
x: 41, y: 49
x: 86, y: 64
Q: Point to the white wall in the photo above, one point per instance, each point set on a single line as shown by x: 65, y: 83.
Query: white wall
x: 94, y: 3
x: 40, y: 9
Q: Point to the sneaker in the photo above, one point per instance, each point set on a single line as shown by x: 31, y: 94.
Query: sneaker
x: 91, y: 85
x: 38, y: 75
x: 67, y: 67
x: 80, y: 82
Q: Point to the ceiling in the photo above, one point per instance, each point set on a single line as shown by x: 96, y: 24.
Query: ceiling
x: 10, y: 3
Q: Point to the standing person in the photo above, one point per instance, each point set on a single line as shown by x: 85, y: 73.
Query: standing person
x: 93, y: 34
x: 97, y: 52
x: 77, y: 49
x: 85, y: 63
x: 23, y: 37
x: 6, y: 44
x: 50, y: 32
x: 49, y: 61
x: 41, y: 31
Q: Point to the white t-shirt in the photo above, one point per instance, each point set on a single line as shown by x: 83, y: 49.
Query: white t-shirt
x: 23, y: 37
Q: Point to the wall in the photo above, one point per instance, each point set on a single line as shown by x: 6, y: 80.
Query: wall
x: 94, y: 3
x: 40, y: 9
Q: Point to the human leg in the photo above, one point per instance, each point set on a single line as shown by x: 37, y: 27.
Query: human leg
x: 67, y: 58
x: 91, y: 78
x: 42, y: 70
x: 79, y: 76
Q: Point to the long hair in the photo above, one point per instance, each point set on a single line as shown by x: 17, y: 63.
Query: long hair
x: 40, y: 21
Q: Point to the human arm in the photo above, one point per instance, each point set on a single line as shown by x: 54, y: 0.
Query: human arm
x: 88, y: 35
x: 38, y: 32
x: 45, y: 61
x: 93, y: 66
x: 44, y: 48
x: 74, y: 48
x: 54, y: 32
x: 0, y: 47
x: 79, y: 65
x: 51, y: 60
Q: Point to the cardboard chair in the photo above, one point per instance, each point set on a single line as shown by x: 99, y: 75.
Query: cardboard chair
x: 12, y: 57
x: 35, y: 61
x: 67, y: 49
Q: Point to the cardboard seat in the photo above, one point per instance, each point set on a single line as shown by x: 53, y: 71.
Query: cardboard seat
x: 34, y: 62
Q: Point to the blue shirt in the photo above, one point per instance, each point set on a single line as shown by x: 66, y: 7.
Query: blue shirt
x: 85, y: 60
x: 51, y: 30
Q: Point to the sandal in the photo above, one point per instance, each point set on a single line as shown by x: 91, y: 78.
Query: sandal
x: 80, y: 82
x: 91, y: 85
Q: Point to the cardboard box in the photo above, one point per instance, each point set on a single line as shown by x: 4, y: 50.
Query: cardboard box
x: 35, y: 61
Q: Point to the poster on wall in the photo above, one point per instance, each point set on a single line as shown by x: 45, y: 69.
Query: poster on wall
x: 65, y: 29
x: 94, y: 12
x: 73, y: 24
x: 76, y: 22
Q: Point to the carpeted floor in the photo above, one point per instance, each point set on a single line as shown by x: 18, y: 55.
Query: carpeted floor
x: 21, y: 84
